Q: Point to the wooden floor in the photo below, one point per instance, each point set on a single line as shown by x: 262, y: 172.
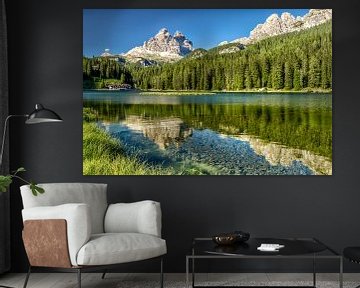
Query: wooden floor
x: 114, y: 280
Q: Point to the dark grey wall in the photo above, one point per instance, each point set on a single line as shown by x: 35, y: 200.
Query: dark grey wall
x: 45, y: 49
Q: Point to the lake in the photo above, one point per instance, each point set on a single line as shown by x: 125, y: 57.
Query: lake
x: 222, y: 133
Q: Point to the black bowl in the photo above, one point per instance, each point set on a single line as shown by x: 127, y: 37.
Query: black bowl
x: 224, y: 239
x: 231, y: 238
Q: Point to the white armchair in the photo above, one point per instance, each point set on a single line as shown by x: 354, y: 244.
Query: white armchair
x: 72, y: 228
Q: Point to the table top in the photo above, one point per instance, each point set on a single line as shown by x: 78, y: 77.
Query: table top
x: 293, y: 247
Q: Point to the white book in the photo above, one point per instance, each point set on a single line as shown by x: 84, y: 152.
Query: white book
x: 270, y: 247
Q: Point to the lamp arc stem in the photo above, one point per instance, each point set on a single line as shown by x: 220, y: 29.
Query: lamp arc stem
x: 4, y: 133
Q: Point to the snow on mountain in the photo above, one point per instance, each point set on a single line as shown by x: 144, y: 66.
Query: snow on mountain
x: 286, y: 23
x: 106, y: 53
x: 162, y: 47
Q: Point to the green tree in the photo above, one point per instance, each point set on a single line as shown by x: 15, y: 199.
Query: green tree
x: 278, y: 75
x: 314, y: 72
x: 296, y: 81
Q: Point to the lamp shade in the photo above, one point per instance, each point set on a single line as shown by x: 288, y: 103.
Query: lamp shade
x: 42, y: 115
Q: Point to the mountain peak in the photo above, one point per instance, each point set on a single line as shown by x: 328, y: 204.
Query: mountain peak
x: 163, y: 46
x: 276, y: 25
x: 163, y: 32
x: 106, y: 53
x: 272, y: 17
x: 178, y: 34
x: 287, y: 16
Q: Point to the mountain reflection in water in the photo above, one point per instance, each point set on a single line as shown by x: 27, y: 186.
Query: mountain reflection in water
x: 277, y: 154
x: 171, y: 133
x: 163, y: 132
x: 221, y: 134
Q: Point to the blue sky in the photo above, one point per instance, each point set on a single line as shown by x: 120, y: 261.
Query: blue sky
x: 122, y: 29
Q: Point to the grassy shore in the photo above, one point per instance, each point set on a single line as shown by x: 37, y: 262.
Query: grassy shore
x: 103, y: 155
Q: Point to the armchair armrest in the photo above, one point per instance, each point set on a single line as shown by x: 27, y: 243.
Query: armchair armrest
x: 138, y: 217
x: 77, y: 217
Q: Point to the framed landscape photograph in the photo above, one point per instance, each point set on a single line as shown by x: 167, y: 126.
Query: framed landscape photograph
x: 207, y: 92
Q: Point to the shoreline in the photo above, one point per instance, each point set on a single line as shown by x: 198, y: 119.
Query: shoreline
x: 210, y: 92
x: 236, y: 91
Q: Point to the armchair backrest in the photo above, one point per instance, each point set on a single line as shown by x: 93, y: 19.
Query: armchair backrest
x: 92, y: 194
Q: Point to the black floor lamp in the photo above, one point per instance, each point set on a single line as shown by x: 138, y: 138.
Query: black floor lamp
x: 39, y: 115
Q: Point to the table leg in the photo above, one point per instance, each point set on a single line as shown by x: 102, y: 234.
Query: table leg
x: 314, y: 271
x: 187, y: 272
x: 193, y: 272
x: 341, y: 273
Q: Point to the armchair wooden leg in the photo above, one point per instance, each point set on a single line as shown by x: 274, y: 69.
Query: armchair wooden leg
x: 103, y: 275
x: 27, y: 277
x: 161, y: 273
x: 79, y: 277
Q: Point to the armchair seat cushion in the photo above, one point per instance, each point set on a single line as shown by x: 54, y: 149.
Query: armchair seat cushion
x: 114, y: 248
